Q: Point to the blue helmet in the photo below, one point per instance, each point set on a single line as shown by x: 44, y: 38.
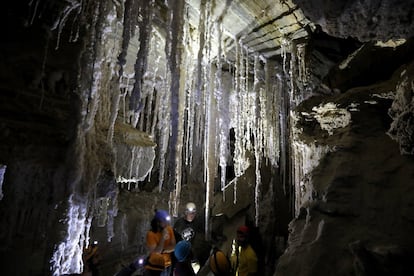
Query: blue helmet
x: 182, y: 250
x: 162, y: 215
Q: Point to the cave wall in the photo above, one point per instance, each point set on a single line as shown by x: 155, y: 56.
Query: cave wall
x: 354, y: 202
x: 366, y: 21
x: 355, y: 218
x: 53, y: 139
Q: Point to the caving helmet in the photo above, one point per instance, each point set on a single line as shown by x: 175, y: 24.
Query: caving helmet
x: 190, y: 207
x: 244, y: 230
x: 162, y: 215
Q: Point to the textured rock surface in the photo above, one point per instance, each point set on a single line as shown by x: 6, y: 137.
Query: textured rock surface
x: 363, y: 20
x: 357, y: 221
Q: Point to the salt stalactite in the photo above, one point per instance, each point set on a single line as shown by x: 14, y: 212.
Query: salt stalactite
x: 67, y: 257
x: 206, y: 98
x: 240, y: 121
x: 125, y: 90
x: 193, y: 68
x: 210, y: 121
x: 243, y: 117
x: 76, y: 24
x: 127, y: 31
x: 112, y: 213
x: 238, y: 146
x: 293, y: 102
x: 86, y: 239
x: 116, y: 97
x: 94, y: 95
x: 210, y: 144
x: 94, y: 54
x: 140, y: 67
x: 284, y: 134
x: 124, y: 232
x: 185, y: 74
x: 285, y: 48
x: 190, y: 110
x: 174, y: 54
x: 59, y: 24
x: 117, y: 94
x: 258, y: 138
x: 200, y: 56
x: 237, y: 149
x: 157, y: 44
x: 132, y: 163
x: 2, y: 172
x: 295, y: 83
x: 292, y: 76
x: 201, y: 80
x: 35, y: 7
x: 271, y: 111
x: 219, y: 95
x: 164, y: 128
x: 161, y: 111
x: 289, y: 101
x: 149, y: 106
x: 301, y: 57
x: 306, y: 157
x: 101, y: 208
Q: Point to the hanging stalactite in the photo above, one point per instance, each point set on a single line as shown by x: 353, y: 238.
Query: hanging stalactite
x: 145, y: 15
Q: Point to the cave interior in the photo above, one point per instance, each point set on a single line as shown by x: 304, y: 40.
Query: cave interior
x: 294, y: 117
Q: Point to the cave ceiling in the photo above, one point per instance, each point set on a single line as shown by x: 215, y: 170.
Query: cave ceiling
x: 261, y: 26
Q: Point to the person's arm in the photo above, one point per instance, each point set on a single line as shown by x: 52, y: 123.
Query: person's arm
x: 177, y: 229
x: 152, y: 245
x: 169, y: 232
x: 252, y: 263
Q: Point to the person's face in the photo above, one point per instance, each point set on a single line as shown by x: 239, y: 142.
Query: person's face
x: 163, y: 223
x: 241, y: 238
x: 189, y: 216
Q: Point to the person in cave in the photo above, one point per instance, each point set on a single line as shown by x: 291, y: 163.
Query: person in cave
x: 155, y: 265
x: 190, y: 227
x: 183, y: 256
x: 91, y: 258
x: 219, y: 263
x: 243, y: 258
x: 160, y: 239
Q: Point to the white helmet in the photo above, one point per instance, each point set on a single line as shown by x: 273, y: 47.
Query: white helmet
x: 190, y: 207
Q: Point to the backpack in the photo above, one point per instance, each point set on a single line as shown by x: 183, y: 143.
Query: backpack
x: 219, y: 263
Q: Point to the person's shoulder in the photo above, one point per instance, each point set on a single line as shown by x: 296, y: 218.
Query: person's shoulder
x: 153, y: 234
x: 179, y: 221
x: 251, y: 251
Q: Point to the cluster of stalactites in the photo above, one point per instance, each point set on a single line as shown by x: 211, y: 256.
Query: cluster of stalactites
x: 215, y: 103
x: 67, y: 257
x: 192, y: 103
x: 189, y: 104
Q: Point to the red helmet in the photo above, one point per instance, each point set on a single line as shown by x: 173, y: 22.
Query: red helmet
x: 243, y: 230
